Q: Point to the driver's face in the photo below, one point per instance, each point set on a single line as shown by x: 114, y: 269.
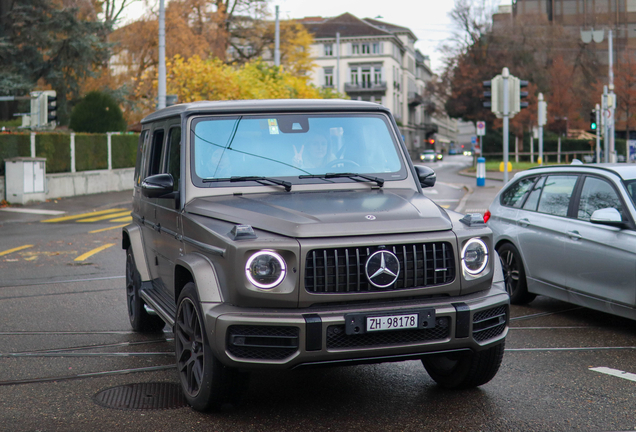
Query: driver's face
x: 318, y: 147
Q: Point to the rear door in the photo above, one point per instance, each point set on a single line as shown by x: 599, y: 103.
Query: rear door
x: 542, y: 225
x: 601, y: 258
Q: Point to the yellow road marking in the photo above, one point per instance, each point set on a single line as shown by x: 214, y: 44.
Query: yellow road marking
x: 124, y: 219
x: 83, y: 215
x: 8, y: 251
x: 93, y: 252
x: 446, y: 206
x: 109, y: 228
x: 104, y: 217
x: 31, y: 258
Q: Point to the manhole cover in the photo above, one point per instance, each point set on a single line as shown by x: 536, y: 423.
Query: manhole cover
x: 142, y: 396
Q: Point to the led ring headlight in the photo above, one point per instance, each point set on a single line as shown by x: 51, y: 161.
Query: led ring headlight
x: 265, y: 269
x: 474, y: 256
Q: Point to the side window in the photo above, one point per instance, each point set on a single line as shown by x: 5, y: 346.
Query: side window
x: 514, y: 196
x: 141, y: 147
x: 533, y: 197
x: 597, y: 194
x: 556, y: 195
x: 154, y: 163
x: 173, y: 155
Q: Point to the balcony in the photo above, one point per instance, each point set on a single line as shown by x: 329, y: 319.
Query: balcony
x: 365, y: 88
x: 415, y: 99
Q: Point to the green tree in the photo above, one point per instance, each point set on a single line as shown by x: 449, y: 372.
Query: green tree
x: 48, y: 45
x: 97, y: 113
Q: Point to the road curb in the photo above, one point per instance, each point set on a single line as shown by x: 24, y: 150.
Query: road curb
x: 462, y: 203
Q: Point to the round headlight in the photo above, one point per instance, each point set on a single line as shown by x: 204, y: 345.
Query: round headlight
x: 265, y: 269
x: 474, y: 256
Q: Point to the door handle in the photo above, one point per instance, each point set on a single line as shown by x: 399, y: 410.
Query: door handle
x: 523, y: 222
x: 575, y: 235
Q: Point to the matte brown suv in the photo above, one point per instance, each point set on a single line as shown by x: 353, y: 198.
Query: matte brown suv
x: 293, y: 233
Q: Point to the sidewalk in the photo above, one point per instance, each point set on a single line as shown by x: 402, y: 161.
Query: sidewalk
x: 478, y: 198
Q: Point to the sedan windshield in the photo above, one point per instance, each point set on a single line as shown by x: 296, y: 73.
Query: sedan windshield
x: 299, y: 147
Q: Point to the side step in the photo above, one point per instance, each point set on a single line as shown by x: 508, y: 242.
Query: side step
x: 163, y: 305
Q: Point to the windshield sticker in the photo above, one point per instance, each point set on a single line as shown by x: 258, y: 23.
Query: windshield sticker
x: 273, y: 126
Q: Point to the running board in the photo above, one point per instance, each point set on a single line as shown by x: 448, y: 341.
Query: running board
x: 162, y: 306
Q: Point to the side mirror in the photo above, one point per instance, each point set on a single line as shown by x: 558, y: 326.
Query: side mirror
x: 157, y: 186
x: 426, y: 176
x: 607, y: 216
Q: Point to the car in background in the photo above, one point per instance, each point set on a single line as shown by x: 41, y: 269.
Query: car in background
x: 569, y: 232
x: 428, y: 156
x: 439, y: 156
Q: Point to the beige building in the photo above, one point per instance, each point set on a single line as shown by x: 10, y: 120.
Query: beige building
x: 371, y: 60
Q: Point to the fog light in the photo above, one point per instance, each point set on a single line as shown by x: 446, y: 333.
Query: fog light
x: 265, y: 269
x: 474, y: 256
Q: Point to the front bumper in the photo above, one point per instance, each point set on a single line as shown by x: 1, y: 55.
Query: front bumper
x: 266, y: 338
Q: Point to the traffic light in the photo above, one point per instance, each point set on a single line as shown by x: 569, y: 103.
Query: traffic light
x: 515, y: 85
x: 593, y: 125
x: 487, y: 94
x: 523, y: 93
x: 51, y: 108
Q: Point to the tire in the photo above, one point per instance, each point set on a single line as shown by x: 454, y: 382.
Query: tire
x: 514, y: 275
x: 461, y: 370
x: 140, y: 320
x: 206, y: 383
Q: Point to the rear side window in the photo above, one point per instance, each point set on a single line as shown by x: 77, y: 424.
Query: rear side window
x: 557, y: 191
x: 515, y: 194
x: 533, y: 196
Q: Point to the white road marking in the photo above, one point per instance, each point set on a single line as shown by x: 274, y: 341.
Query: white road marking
x: 430, y: 191
x: 32, y: 211
x: 615, y: 372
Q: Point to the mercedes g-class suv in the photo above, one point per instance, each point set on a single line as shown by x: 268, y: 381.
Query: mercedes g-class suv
x: 293, y: 233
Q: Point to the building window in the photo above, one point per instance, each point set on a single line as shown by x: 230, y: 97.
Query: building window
x: 328, y: 77
x: 377, y: 75
x: 376, y: 48
x: 366, y: 48
x: 366, y: 77
x: 354, y: 75
x: 328, y: 49
x: 355, y: 49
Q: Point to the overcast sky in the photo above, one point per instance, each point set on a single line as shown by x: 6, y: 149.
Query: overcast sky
x: 427, y: 19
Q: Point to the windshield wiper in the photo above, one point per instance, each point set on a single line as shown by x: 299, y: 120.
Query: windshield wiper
x: 263, y: 180
x: 353, y: 176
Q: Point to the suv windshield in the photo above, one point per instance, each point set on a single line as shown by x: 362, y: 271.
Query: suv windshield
x: 293, y: 146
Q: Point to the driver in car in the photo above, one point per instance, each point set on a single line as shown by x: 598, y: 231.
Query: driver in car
x: 313, y: 154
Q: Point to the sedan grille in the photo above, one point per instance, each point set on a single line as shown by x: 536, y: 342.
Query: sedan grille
x: 342, y: 270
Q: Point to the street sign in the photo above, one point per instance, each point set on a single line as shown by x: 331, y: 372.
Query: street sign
x: 481, y: 128
x: 473, y: 140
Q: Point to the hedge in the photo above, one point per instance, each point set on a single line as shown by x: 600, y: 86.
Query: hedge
x: 91, y: 151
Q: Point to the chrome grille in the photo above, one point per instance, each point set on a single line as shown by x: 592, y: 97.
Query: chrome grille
x: 342, y: 270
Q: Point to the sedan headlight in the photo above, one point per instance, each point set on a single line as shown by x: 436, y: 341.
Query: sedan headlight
x: 474, y: 256
x: 265, y: 269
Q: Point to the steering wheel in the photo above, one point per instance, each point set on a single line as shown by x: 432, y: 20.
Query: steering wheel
x: 344, y: 163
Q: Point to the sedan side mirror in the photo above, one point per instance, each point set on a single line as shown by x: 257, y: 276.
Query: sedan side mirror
x: 157, y: 186
x: 607, y: 216
x: 426, y: 176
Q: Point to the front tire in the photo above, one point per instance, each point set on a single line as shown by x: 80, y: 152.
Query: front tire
x: 461, y: 370
x: 206, y: 383
x: 514, y: 275
x: 140, y: 320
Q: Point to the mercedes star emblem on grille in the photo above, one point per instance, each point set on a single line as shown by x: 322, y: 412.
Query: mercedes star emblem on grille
x: 382, y: 269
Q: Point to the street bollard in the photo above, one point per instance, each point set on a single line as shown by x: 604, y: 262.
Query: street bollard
x: 481, y: 171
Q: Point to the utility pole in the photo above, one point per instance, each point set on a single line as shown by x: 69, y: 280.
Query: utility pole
x: 338, y: 61
x: 606, y: 125
x: 542, y: 118
x: 611, y: 100
x: 506, y: 113
x: 277, y: 41
x: 161, y: 90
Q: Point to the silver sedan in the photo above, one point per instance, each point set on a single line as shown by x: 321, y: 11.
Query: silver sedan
x: 569, y: 232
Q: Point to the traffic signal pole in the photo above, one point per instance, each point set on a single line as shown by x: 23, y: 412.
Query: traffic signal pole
x: 506, y: 112
x: 597, y: 110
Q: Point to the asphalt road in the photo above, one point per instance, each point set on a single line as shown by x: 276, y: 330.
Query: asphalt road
x: 64, y: 337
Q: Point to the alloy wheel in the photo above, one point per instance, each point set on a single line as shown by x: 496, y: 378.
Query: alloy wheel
x: 510, y: 271
x: 190, y: 348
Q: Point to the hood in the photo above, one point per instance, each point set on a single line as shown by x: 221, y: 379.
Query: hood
x: 329, y: 213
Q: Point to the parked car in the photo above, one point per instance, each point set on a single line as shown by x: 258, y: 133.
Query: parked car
x: 428, y: 156
x: 568, y: 232
x: 286, y: 234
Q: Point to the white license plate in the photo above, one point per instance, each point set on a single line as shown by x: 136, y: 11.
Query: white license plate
x: 391, y: 322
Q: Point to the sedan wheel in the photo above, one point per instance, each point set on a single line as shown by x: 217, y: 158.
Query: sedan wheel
x: 514, y: 275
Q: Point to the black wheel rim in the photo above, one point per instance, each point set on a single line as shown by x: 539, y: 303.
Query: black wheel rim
x: 510, y: 270
x: 189, y: 347
x: 131, y: 292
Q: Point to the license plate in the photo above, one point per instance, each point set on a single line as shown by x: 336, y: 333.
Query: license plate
x: 360, y: 323
x: 391, y: 322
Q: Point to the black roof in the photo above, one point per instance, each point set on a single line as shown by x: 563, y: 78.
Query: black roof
x: 262, y: 106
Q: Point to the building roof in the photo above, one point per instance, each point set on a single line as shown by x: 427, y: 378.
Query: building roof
x: 346, y: 24
x: 392, y: 28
